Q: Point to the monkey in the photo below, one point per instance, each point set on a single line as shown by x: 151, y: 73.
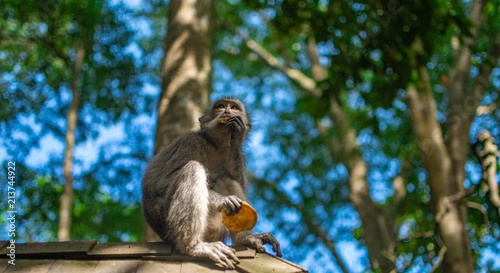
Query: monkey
x: 189, y: 182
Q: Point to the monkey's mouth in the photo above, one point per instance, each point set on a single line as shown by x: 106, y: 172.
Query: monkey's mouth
x: 224, y: 120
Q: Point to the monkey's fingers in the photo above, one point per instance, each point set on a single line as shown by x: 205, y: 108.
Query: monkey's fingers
x: 231, y: 253
x: 221, y: 260
x: 218, y: 252
x: 259, y: 246
x: 224, y: 255
x: 254, y: 241
x: 268, y: 238
x: 237, y: 124
x: 232, y: 204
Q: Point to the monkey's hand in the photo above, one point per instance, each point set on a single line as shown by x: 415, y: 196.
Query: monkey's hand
x: 257, y: 241
x: 218, y: 252
x: 237, y: 124
x: 231, y: 203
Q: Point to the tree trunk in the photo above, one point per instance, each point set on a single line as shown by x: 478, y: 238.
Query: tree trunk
x: 378, y: 227
x: 63, y: 233
x: 450, y: 217
x: 186, y: 69
x: 186, y: 73
x: 444, y: 158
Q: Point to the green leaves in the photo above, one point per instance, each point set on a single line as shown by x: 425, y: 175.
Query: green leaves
x: 38, y: 41
x: 370, y: 52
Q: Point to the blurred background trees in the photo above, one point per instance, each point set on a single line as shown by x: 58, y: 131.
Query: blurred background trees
x: 364, y: 116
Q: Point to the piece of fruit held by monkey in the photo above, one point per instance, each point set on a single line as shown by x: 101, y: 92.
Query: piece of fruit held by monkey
x: 188, y: 183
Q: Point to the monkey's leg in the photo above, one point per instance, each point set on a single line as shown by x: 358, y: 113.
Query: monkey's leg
x: 187, y: 216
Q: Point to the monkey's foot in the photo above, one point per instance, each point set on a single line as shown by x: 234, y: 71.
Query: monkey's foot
x: 217, y: 252
x: 257, y: 241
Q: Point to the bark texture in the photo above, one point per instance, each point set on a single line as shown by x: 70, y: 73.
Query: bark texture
x: 63, y: 233
x: 186, y: 69
x: 186, y: 74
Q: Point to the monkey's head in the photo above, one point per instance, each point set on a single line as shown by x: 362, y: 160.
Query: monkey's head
x: 221, y: 111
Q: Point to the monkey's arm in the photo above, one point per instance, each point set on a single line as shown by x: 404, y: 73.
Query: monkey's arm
x: 257, y: 241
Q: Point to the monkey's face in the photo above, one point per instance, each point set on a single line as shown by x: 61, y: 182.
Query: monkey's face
x: 225, y: 109
x: 222, y: 111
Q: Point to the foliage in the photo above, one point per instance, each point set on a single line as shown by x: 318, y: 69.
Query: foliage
x: 367, y: 48
x: 38, y: 40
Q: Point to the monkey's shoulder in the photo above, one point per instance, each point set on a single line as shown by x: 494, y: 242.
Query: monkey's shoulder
x: 187, y: 147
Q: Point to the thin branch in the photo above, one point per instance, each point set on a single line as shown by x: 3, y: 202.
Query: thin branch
x: 460, y: 196
x: 319, y: 72
x: 474, y: 205
x: 420, y: 235
x: 442, y: 251
x: 301, y: 79
x: 486, y: 109
x: 399, y: 189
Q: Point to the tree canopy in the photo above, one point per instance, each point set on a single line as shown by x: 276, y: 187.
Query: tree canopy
x: 365, y: 149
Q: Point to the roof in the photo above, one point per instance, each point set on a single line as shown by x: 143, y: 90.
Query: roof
x: 90, y: 256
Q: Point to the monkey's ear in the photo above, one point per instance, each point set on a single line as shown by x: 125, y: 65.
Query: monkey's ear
x: 201, y: 121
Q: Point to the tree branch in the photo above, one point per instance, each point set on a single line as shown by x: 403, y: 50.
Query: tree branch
x: 419, y: 235
x: 301, y: 79
x: 474, y: 205
x: 460, y: 71
x: 319, y: 72
x: 378, y: 227
x: 463, y: 98
x: 441, y: 253
x: 309, y: 221
x: 486, y: 109
x: 427, y: 131
x: 399, y: 189
x: 423, y: 110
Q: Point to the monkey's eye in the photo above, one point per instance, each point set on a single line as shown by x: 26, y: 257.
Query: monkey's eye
x: 220, y: 106
x: 234, y: 107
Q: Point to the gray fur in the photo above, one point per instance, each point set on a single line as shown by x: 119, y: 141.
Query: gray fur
x: 187, y: 184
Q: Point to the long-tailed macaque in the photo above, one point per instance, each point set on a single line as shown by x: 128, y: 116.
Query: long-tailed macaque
x: 187, y: 184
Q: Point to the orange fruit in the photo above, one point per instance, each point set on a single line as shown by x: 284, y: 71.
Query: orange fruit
x: 223, y: 120
x: 245, y: 219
